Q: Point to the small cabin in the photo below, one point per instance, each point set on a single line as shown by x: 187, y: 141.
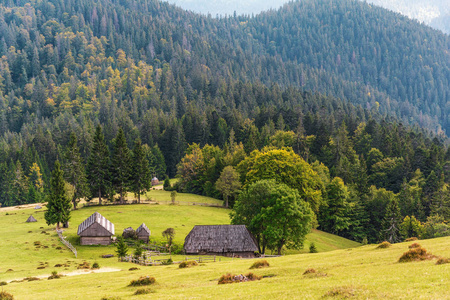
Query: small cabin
x: 31, y: 219
x: 155, y: 181
x: 225, y: 240
x: 143, y: 233
x: 96, y: 230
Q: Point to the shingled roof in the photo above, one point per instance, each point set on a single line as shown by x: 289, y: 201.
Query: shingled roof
x: 220, y: 239
x: 144, y: 228
x: 99, y: 219
x: 31, y: 219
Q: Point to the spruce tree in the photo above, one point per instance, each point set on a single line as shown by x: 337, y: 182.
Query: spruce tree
x: 98, y: 165
x: 58, y: 206
x: 121, y: 165
x: 74, y: 171
x: 392, y: 221
x: 140, y: 177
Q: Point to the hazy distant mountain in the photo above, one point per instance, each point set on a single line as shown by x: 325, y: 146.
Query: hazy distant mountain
x: 435, y: 13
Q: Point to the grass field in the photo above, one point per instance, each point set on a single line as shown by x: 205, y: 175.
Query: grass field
x: 21, y: 258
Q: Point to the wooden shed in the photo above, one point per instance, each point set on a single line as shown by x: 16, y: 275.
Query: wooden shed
x: 31, y: 219
x: 96, y: 230
x: 155, y: 181
x: 225, y: 240
x: 143, y: 233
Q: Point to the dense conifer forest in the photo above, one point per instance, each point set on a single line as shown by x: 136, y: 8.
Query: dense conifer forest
x: 108, y: 87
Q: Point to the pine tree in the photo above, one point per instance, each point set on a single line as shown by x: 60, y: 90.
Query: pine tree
x: 74, y: 171
x: 122, y: 248
x: 121, y: 165
x: 141, y: 177
x: 58, y: 206
x: 392, y: 221
x: 98, y: 165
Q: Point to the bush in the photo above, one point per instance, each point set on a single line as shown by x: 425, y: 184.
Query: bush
x: 3, y: 283
x: 133, y: 269
x: 111, y: 298
x: 167, y: 262
x: 95, y: 265
x: 341, y: 292
x: 442, y: 261
x: 415, y: 245
x: 188, y: 264
x: 229, y: 278
x: 260, y: 264
x: 54, y: 275
x: 309, y: 271
x: 415, y: 254
x: 129, y: 233
x: 411, y: 239
x: 143, y: 291
x: 31, y: 278
x: 143, y: 280
x: 384, y: 245
x: 84, y: 265
x: 6, y: 296
x: 364, y: 241
x: 313, y: 248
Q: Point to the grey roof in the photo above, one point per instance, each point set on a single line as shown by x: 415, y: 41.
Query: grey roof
x: 37, y: 207
x: 143, y: 228
x: 31, y: 219
x: 220, y: 239
x: 96, y: 218
x: 128, y: 229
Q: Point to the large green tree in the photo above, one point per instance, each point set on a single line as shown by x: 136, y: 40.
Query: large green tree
x: 98, y: 165
x: 74, y: 171
x: 140, y: 175
x: 121, y: 163
x: 228, y: 183
x: 335, y: 214
x: 58, y: 204
x: 275, y: 213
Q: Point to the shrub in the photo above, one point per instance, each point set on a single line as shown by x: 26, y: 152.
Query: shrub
x: 3, y: 283
x: 143, y: 291
x: 188, y: 264
x: 54, y: 275
x: 342, y: 292
x: 167, y: 262
x: 111, y: 298
x: 129, y: 233
x: 260, y: 264
x: 309, y: 271
x: 84, y: 265
x: 31, y: 278
x: 384, y: 245
x: 415, y: 245
x: 415, y: 254
x: 313, y: 248
x: 37, y: 243
x: 95, y: 265
x: 58, y: 266
x: 6, y: 296
x: 133, y: 269
x: 411, y: 239
x: 143, y: 280
x: 229, y: 278
x: 442, y: 261
x: 364, y: 241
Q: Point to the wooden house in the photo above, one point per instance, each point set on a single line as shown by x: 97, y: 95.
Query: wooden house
x: 225, y: 240
x: 143, y: 233
x: 96, y: 230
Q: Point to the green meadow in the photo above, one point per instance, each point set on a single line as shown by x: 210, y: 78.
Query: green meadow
x: 343, y: 268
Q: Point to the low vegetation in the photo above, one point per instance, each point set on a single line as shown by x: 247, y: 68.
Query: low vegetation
x: 6, y: 296
x: 143, y: 291
x: 188, y: 264
x: 442, y: 261
x: 416, y: 253
x: 55, y: 275
x: 384, y: 245
x: 260, y: 264
x: 229, y: 278
x: 143, y: 280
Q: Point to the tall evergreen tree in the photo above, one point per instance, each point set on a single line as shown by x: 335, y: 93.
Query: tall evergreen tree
x: 58, y: 206
x: 392, y: 221
x: 140, y: 176
x: 98, y: 165
x: 120, y: 165
x: 74, y: 171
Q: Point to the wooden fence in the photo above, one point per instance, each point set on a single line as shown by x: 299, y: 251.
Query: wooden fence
x: 65, y: 242
x: 146, y: 259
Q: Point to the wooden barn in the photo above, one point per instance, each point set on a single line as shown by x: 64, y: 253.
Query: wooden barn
x: 225, y: 240
x: 96, y: 230
x: 143, y: 233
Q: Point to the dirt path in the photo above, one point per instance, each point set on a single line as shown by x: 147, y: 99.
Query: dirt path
x: 76, y: 272
x: 32, y: 205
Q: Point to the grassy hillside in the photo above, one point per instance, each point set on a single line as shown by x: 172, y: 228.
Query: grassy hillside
x: 359, y: 273
x: 26, y: 258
